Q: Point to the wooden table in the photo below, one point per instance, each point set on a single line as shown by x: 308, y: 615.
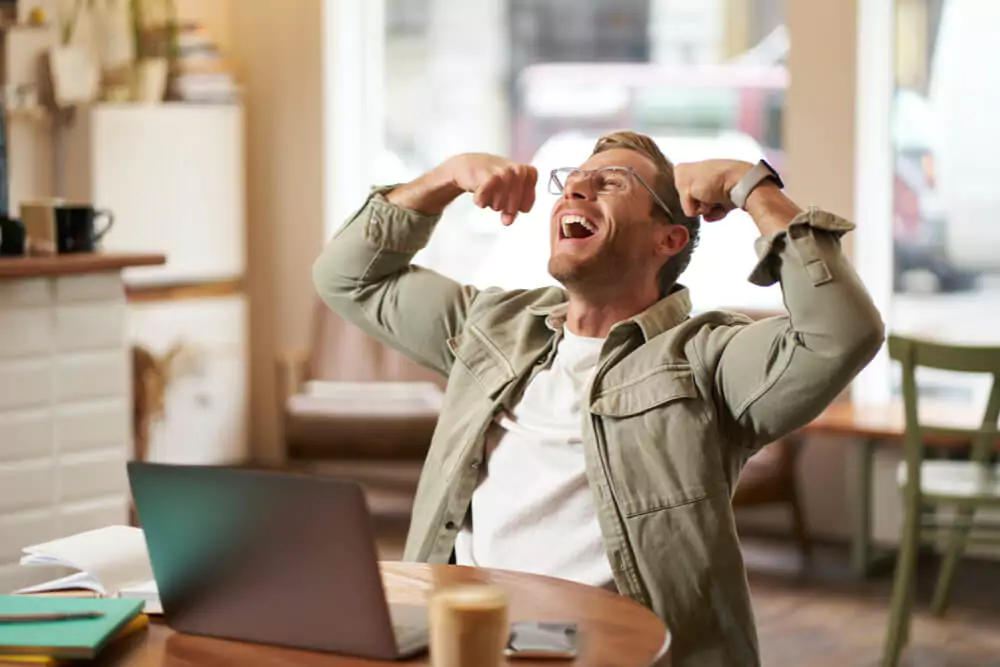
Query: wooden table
x: 871, y: 426
x: 613, y: 629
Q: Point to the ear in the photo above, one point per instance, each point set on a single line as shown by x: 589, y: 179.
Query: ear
x: 670, y: 240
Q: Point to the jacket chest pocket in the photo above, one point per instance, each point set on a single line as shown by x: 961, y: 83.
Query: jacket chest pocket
x: 479, y: 363
x: 662, y: 447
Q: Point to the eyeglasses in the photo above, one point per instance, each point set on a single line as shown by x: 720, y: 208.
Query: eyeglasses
x: 612, y: 180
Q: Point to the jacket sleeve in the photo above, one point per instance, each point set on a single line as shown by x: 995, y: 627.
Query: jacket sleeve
x: 364, y: 274
x: 775, y: 375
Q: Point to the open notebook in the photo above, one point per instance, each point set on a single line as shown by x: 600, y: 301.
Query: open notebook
x: 111, y: 562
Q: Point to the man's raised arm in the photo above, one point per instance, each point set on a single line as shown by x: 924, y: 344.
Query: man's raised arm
x: 774, y: 375
x: 365, y: 273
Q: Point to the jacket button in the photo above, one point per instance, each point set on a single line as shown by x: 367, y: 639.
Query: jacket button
x: 451, y: 525
x: 475, y: 465
x: 374, y: 228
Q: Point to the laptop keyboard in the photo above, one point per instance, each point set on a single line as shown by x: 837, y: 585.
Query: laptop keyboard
x: 410, y: 637
x: 409, y: 625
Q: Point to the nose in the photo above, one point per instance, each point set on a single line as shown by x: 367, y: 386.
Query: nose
x: 579, y: 187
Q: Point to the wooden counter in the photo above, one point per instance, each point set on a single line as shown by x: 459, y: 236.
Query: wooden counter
x: 60, y: 265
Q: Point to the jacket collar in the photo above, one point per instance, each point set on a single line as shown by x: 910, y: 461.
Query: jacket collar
x: 662, y: 316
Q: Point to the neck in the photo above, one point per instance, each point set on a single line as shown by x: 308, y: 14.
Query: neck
x: 592, y: 314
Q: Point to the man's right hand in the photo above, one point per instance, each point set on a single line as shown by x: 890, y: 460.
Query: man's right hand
x: 495, y: 182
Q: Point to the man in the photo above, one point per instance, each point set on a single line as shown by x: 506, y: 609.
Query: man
x: 596, y: 432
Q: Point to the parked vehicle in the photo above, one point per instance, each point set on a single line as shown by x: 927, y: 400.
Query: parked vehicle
x: 919, y: 223
x: 964, y: 95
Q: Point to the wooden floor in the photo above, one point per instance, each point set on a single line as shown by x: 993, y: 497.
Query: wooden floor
x: 819, y: 615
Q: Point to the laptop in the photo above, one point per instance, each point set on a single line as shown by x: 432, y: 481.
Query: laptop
x: 271, y: 557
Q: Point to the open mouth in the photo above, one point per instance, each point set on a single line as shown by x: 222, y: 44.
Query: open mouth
x: 575, y: 227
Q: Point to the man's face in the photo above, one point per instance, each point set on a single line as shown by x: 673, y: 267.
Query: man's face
x: 619, y: 242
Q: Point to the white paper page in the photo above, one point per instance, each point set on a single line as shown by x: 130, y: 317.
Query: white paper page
x: 115, y: 556
x: 153, y: 607
x: 75, y: 580
x: 146, y: 591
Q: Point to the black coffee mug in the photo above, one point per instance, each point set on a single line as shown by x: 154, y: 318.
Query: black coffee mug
x: 76, y: 227
x: 11, y: 237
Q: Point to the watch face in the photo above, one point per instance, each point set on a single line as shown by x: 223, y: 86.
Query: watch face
x: 773, y: 171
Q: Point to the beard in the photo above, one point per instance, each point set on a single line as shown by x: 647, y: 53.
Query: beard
x: 573, y: 271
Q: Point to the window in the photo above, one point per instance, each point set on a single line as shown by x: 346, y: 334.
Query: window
x: 541, y: 80
x: 946, y: 240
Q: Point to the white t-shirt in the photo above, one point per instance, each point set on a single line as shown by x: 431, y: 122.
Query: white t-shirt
x: 533, y: 510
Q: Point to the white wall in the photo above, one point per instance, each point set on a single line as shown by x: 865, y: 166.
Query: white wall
x: 279, y: 52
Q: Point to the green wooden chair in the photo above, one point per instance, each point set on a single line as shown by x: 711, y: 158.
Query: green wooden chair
x: 963, y: 486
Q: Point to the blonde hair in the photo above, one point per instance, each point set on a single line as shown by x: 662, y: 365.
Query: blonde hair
x: 664, y: 187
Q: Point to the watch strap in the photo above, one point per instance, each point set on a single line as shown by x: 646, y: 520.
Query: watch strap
x: 760, y: 172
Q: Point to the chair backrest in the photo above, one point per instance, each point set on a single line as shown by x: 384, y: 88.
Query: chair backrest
x: 340, y: 351
x: 913, y: 353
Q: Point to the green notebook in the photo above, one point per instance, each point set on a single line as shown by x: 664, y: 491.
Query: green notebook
x: 83, y: 638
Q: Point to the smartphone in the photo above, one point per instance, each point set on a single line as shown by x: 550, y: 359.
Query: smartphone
x: 538, y: 639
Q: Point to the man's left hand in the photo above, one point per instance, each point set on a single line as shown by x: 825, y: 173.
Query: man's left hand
x: 704, y: 187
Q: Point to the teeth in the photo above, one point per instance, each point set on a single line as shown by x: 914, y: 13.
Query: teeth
x: 568, y: 220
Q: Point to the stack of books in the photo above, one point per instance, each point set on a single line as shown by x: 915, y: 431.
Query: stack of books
x: 56, y: 631
x: 76, y: 617
x: 200, y: 72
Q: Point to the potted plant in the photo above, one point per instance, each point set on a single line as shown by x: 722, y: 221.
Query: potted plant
x: 153, y: 56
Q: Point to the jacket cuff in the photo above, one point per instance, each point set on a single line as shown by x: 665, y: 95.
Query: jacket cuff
x: 798, y: 243
x: 394, y: 228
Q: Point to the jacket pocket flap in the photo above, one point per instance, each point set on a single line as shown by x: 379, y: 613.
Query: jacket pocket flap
x: 651, y: 389
x: 483, y: 360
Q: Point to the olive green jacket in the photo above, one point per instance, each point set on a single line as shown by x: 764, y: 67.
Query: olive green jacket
x: 677, y: 405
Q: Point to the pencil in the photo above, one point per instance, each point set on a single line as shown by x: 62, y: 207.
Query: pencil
x: 38, y: 618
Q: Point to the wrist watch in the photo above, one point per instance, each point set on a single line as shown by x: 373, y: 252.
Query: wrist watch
x: 757, y: 175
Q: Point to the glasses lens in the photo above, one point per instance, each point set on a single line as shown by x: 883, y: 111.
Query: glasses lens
x: 611, y: 180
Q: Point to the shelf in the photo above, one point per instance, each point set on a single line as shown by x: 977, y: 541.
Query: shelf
x: 184, y: 290
x: 38, y: 114
x: 60, y: 265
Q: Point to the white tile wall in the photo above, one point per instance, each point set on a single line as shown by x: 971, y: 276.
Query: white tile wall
x: 25, y: 434
x: 21, y: 529
x: 91, y: 474
x: 65, y: 413
x: 26, y: 383
x: 89, y: 287
x: 90, y: 326
x: 87, y: 515
x: 25, y: 332
x: 92, y: 425
x: 27, y: 484
x: 26, y: 292
x: 92, y: 375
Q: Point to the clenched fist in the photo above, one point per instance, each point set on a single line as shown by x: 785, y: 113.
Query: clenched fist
x: 704, y: 187
x: 496, y: 183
